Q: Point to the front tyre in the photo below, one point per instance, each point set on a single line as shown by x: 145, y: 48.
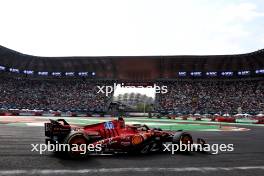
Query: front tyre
x: 182, y: 138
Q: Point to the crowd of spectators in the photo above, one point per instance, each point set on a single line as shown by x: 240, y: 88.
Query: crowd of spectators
x: 64, y: 95
x: 193, y: 96
x: 214, y: 96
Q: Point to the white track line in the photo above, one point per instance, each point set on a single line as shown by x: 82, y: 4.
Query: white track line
x: 119, y: 170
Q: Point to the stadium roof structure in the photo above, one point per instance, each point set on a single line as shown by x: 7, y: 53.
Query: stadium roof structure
x: 133, y: 67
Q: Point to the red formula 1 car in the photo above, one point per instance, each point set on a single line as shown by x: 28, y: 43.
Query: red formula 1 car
x: 113, y: 136
x: 225, y: 119
x: 260, y: 120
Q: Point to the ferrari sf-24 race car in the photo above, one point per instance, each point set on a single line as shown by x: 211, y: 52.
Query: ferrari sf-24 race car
x: 114, y: 137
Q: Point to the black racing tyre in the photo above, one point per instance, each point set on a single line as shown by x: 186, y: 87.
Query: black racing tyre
x: 182, y: 138
x: 79, y: 142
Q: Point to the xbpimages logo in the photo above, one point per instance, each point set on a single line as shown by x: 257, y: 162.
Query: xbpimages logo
x: 108, y: 90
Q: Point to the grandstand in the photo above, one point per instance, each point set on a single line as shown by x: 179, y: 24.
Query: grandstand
x: 213, y: 96
x: 54, y: 94
x: 196, y: 84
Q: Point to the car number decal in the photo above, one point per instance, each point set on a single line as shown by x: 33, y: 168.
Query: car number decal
x: 109, y: 125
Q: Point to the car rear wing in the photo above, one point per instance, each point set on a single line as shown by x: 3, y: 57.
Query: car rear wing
x: 57, y: 128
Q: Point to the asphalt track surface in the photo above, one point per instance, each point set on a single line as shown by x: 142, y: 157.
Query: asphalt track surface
x: 16, y: 157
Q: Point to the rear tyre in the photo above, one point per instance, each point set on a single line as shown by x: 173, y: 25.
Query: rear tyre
x: 78, y: 146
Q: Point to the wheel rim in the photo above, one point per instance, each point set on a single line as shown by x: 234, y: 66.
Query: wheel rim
x: 79, y: 141
x: 186, y: 139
